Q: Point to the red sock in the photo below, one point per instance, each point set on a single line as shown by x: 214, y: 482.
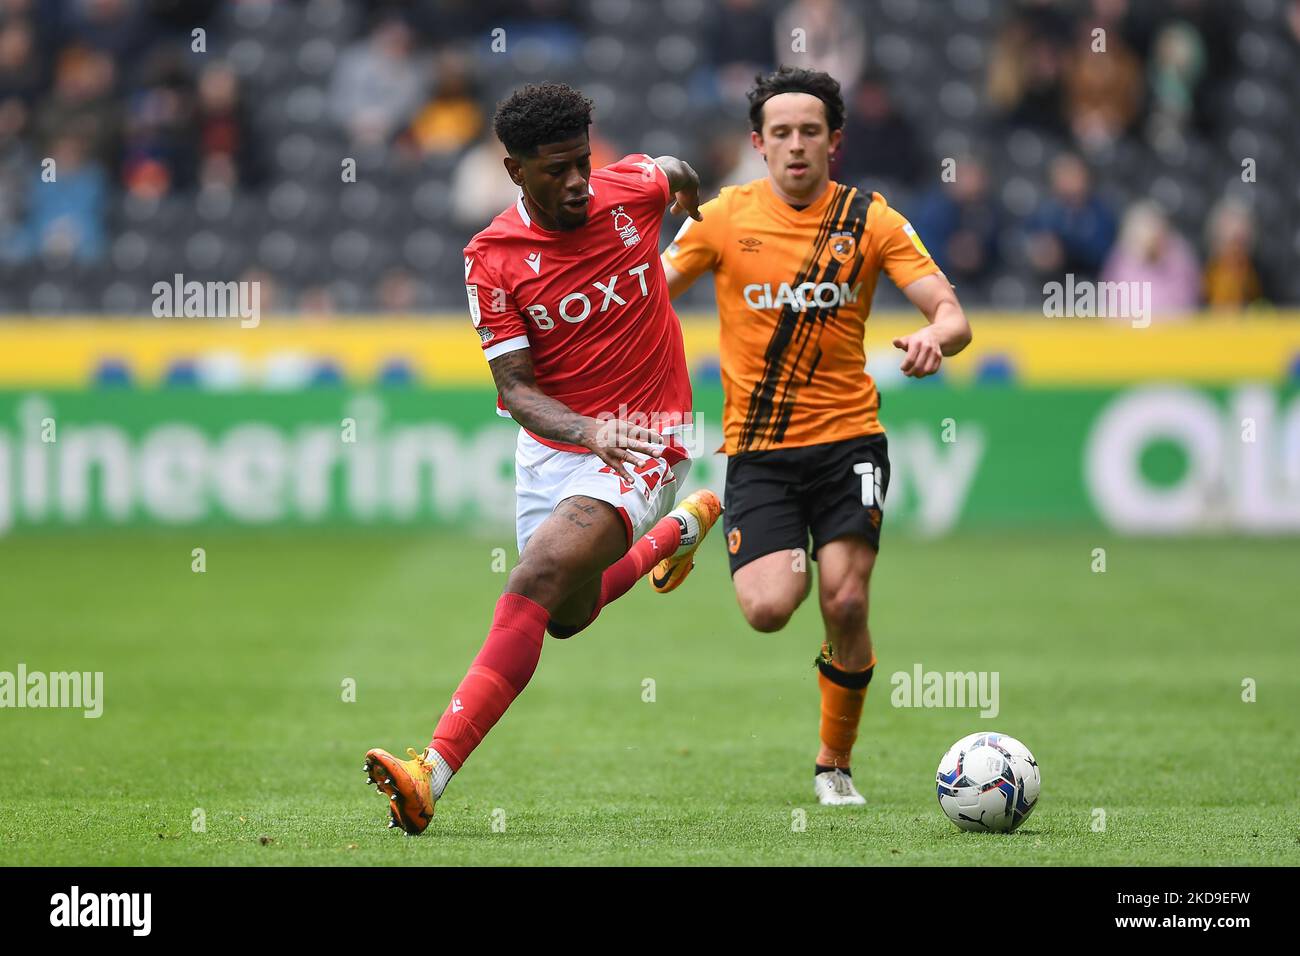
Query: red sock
x: 660, y: 542
x: 497, y: 676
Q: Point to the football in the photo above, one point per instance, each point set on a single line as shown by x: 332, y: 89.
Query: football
x: 988, y: 782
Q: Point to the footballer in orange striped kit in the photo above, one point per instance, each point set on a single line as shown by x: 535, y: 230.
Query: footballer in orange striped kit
x: 795, y: 258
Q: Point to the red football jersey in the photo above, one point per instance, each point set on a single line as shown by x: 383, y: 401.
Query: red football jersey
x: 592, y: 303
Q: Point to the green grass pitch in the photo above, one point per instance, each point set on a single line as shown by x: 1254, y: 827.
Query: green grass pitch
x: 223, y: 696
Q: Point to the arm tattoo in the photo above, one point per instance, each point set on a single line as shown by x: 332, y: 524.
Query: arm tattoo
x: 529, y: 405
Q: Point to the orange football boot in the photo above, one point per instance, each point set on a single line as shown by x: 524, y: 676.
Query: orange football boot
x: 406, y: 783
x: 699, y: 511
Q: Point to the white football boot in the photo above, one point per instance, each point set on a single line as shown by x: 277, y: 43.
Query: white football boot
x: 834, y: 788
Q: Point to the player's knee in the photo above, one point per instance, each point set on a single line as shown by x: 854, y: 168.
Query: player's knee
x: 766, y: 615
x: 846, y: 611
x: 540, y: 581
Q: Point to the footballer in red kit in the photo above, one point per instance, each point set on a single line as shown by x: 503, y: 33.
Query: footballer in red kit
x: 568, y: 297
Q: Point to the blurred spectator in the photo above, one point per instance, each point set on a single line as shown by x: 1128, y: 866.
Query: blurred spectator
x: 82, y: 104
x: 452, y: 118
x: 268, y: 298
x: 1026, y: 68
x: 1149, y: 250
x: 1175, y: 71
x: 1233, y: 279
x: 377, y: 84
x: 879, y: 142
x: 21, y: 74
x: 1201, y: 59
x: 159, y: 149
x: 480, y: 187
x: 833, y: 39
x: 396, y: 291
x: 228, y: 153
x: 16, y: 163
x: 316, y: 301
x: 959, y: 222
x: 65, y: 218
x: 1103, y: 87
x: 1072, y: 230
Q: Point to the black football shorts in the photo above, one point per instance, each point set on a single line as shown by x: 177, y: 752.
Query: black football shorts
x: 776, y: 499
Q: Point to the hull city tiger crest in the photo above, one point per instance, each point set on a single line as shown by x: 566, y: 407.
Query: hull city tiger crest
x: 843, y: 245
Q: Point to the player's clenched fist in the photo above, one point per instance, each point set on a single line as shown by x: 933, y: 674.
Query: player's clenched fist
x: 924, y: 354
x: 617, y: 443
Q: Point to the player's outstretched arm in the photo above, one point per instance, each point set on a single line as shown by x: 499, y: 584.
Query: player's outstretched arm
x: 612, y: 441
x: 677, y: 282
x: 684, y: 184
x: 947, y: 333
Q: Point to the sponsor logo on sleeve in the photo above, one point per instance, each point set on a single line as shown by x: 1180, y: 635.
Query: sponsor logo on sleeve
x: 472, y: 292
x: 916, y: 240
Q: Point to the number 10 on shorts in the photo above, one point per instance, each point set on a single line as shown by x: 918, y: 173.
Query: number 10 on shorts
x: 873, y: 496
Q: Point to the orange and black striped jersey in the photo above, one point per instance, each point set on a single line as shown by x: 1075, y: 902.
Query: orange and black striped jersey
x: 794, y: 289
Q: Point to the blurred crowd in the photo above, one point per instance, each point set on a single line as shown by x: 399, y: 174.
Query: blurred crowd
x: 1062, y: 158
x: 1151, y: 77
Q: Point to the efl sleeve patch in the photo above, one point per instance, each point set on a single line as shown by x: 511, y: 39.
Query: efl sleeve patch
x: 474, y: 313
x: 916, y: 240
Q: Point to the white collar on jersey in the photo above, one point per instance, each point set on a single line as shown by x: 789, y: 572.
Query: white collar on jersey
x: 523, y: 209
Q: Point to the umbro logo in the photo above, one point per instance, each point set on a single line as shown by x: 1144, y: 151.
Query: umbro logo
x: 534, y: 261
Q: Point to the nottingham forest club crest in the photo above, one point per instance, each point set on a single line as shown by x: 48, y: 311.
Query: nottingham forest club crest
x: 843, y: 245
x: 625, y: 227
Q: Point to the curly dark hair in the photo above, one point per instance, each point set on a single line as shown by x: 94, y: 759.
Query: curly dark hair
x: 789, y: 79
x: 538, y: 114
